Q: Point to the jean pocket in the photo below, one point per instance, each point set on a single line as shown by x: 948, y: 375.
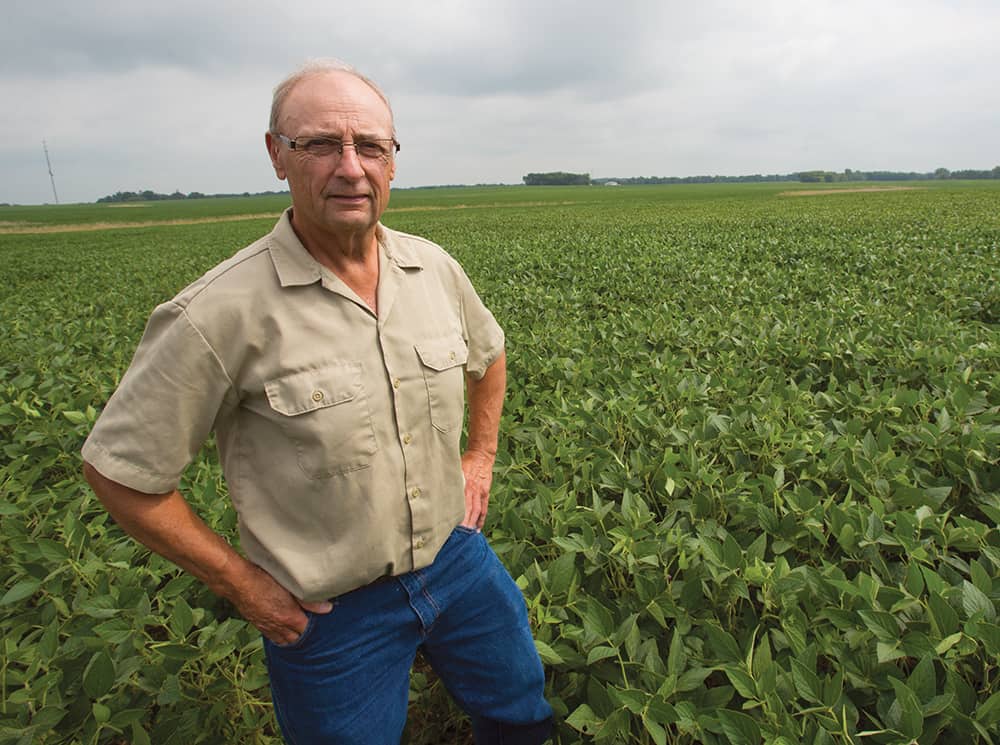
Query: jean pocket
x: 462, y: 530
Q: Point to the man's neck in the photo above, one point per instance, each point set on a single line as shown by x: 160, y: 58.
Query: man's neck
x: 338, y: 250
x: 352, y: 257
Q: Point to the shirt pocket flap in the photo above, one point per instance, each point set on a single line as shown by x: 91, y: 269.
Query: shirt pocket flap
x: 314, y: 389
x: 443, y: 354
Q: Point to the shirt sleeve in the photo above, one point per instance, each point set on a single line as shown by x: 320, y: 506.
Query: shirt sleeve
x: 483, y: 334
x: 164, y: 407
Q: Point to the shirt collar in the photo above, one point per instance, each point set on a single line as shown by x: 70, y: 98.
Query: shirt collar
x: 398, y: 251
x: 296, y: 266
x: 293, y: 263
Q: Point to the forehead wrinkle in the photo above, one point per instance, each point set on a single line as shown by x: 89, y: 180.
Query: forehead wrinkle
x: 335, y: 103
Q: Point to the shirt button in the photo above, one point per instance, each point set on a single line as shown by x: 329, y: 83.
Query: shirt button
x: 419, y: 543
x: 317, y: 396
x: 451, y: 355
x: 406, y: 439
x: 395, y: 383
x: 415, y: 492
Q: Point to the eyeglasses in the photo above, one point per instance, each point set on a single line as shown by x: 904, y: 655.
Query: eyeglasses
x: 319, y: 146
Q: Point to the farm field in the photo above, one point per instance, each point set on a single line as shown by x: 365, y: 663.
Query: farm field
x: 748, y: 480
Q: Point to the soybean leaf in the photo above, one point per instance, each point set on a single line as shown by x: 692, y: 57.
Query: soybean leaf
x: 974, y: 601
x: 882, y: 624
x: 987, y: 634
x: 19, y: 591
x: 584, y: 720
x: 99, y: 676
x: 600, y: 653
x: 181, y: 618
x: 656, y: 730
x: 805, y: 680
x: 943, y: 616
x: 988, y: 712
x: 723, y: 644
x: 742, y: 682
x: 911, y: 717
x: 548, y: 655
x: 922, y: 680
x: 739, y: 729
x: 560, y: 573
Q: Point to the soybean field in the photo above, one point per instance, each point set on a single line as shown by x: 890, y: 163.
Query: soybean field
x: 748, y: 479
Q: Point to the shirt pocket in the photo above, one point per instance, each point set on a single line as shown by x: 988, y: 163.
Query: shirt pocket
x: 443, y: 364
x: 325, y: 413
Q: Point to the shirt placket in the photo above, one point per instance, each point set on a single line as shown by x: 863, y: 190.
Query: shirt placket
x: 409, y: 398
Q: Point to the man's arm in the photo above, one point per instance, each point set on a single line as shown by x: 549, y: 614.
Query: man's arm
x: 485, y: 404
x: 167, y: 525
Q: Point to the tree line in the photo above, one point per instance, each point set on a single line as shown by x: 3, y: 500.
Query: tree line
x: 562, y: 178
x: 557, y: 178
x: 152, y: 196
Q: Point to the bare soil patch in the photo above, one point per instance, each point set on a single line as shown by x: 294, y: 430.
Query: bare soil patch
x: 27, y: 228
x: 10, y: 227
x: 815, y: 192
x: 494, y: 205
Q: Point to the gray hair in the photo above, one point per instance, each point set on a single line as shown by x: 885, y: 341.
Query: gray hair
x: 318, y: 67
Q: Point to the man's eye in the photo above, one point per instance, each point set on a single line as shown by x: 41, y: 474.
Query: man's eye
x: 370, y: 149
x: 320, y: 145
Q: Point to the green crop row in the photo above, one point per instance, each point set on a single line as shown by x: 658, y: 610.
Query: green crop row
x: 749, y: 478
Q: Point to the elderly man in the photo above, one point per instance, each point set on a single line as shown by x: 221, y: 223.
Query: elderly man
x: 330, y: 358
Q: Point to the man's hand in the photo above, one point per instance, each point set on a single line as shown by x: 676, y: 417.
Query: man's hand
x: 275, y: 612
x: 477, y: 467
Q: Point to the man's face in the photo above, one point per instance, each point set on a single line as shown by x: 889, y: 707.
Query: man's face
x: 336, y: 195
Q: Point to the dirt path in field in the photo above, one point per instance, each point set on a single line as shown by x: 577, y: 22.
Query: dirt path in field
x: 23, y: 228
x: 815, y: 192
x: 436, y: 207
x: 27, y: 227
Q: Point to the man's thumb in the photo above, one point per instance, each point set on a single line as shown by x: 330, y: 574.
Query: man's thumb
x: 317, y: 606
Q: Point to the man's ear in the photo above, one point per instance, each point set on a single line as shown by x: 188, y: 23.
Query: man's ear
x: 273, y: 150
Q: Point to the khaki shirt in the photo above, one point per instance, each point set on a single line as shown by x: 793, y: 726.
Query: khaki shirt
x: 338, y: 431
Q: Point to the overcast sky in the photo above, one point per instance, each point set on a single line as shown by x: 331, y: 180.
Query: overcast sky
x: 175, y: 95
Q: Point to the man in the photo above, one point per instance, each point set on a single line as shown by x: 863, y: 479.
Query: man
x: 329, y: 359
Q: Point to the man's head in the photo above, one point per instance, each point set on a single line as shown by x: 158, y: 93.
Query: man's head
x: 317, y: 67
x: 331, y: 135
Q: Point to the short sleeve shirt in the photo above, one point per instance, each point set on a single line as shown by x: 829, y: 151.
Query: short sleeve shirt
x: 338, y: 429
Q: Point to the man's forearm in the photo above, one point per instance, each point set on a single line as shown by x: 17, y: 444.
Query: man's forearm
x: 167, y: 525
x: 485, y: 406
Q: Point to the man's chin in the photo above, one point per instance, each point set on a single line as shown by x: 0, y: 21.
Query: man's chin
x: 350, y: 220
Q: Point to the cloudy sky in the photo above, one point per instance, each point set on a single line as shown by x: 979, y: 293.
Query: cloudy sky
x: 175, y: 95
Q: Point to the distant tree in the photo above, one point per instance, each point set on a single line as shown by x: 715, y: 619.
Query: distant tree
x: 942, y: 173
x: 557, y: 178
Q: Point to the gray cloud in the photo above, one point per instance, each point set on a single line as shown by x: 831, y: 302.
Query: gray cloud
x: 176, y: 96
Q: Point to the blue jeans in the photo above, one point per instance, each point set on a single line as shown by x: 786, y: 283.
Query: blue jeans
x: 346, y: 679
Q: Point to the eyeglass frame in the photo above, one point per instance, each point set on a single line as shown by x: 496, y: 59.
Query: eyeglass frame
x: 292, y: 143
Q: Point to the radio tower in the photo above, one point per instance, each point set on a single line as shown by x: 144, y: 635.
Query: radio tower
x: 51, y: 177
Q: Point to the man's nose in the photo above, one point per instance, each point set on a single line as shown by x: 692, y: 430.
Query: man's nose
x: 349, y: 164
